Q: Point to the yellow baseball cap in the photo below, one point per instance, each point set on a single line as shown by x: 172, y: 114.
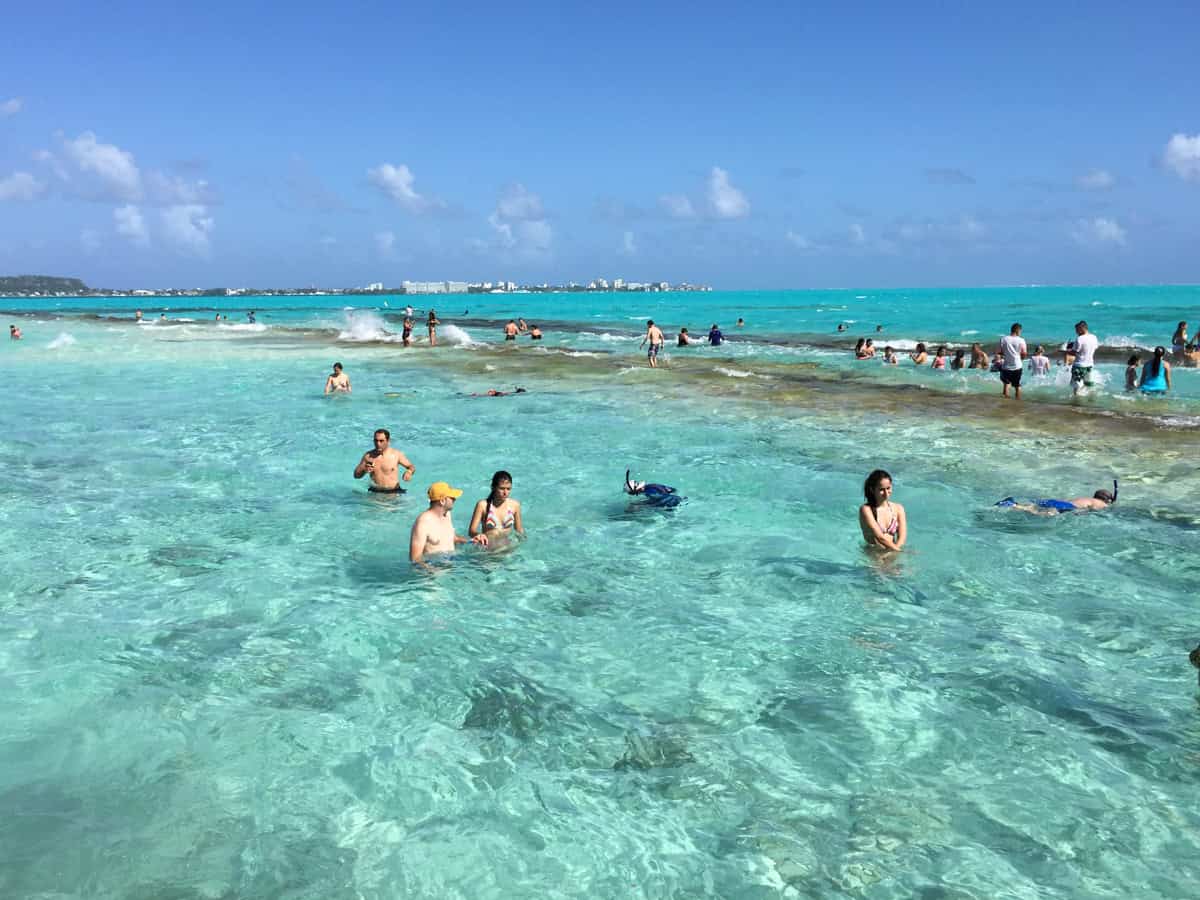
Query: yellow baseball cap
x: 440, y: 490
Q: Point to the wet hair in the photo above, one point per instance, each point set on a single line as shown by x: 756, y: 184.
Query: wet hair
x: 1016, y: 326
x: 870, y: 342
x: 498, y: 479
x: 337, y: 365
x: 649, y: 322
x: 872, y: 484
x: 959, y: 353
x: 1106, y: 496
x: 1134, y: 360
x: 1040, y: 349
x: 888, y: 349
x: 920, y: 347
x: 862, y: 342
x: 1156, y: 363
x: 941, y: 351
x: 387, y: 434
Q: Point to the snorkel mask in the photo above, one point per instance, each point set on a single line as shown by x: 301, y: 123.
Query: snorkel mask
x: 633, y: 487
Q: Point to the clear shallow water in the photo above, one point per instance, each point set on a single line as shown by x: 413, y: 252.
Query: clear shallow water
x: 223, y: 679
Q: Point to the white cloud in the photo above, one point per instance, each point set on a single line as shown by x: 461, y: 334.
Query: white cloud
x: 397, y: 183
x: 628, y: 245
x: 385, y: 243
x: 131, y: 224
x: 188, y: 226
x: 20, y: 186
x: 725, y: 201
x: 519, y: 224
x: 1098, y: 231
x: 115, y: 167
x: 800, y: 242
x: 516, y: 202
x: 1182, y: 156
x: 857, y: 235
x: 90, y: 239
x: 677, y: 206
x: 171, y: 190
x: 1096, y: 180
x: 11, y: 107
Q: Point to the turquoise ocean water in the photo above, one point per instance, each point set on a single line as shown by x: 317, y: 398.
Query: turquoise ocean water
x: 221, y: 678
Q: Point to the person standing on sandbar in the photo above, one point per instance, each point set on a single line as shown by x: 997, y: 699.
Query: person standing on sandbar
x: 384, y: 462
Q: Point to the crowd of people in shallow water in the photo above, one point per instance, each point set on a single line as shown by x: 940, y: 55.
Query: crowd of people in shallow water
x: 1150, y: 376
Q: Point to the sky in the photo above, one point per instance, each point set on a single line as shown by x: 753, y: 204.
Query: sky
x: 777, y: 146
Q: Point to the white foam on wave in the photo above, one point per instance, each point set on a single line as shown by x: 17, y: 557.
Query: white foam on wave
x: 365, y: 325
x: 240, y: 326
x: 734, y: 373
x: 63, y: 340
x: 1122, y: 340
x: 605, y: 336
x: 969, y: 331
x: 581, y: 353
x: 459, y: 337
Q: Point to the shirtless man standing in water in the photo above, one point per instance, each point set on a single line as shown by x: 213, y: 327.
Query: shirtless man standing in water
x: 338, y: 382
x: 384, y: 463
x: 655, y: 336
x: 433, y: 532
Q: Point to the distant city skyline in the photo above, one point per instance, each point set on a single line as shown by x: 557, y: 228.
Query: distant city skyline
x: 761, y: 148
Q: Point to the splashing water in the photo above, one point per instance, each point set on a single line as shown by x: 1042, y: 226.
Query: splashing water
x: 63, y: 340
x: 365, y: 325
x: 452, y: 334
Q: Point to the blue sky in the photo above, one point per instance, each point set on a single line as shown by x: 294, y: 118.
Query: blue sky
x: 771, y: 147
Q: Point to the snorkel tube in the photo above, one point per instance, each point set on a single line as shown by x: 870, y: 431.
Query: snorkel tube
x: 1114, y: 490
x: 633, y: 487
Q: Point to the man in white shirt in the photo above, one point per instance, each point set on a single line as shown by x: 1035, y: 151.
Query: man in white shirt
x: 1014, y: 351
x: 1085, y: 352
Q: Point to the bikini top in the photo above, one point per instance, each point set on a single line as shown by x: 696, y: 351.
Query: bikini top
x: 490, y: 521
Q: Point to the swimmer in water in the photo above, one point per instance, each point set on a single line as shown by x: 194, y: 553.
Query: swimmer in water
x: 406, y: 332
x: 383, y: 463
x: 499, y: 514
x: 510, y: 331
x: 14, y: 333
x: 919, y: 356
x: 433, y: 532
x: 1102, y: 499
x: 338, y: 381
x: 1131, y: 372
x: 883, y: 522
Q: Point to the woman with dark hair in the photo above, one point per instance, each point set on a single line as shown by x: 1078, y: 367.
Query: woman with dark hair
x: 431, y: 324
x: 1156, y: 374
x: 882, y: 522
x: 919, y: 355
x: 939, y: 361
x: 860, y: 349
x: 1179, y: 339
x: 1131, y: 372
x: 499, y: 514
x: 960, y: 360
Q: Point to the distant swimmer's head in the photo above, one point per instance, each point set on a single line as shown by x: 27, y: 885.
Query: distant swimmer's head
x: 1194, y: 657
x: 877, y: 488
x: 649, y: 323
x: 1039, y: 351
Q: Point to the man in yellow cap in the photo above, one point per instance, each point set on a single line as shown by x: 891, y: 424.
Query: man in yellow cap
x: 433, y: 532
